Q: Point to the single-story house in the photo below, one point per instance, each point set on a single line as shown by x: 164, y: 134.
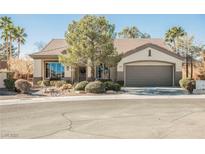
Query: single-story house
x: 145, y: 62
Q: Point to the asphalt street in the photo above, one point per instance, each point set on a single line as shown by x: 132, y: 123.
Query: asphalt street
x: 138, y: 118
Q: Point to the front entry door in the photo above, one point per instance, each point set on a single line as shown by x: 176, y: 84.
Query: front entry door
x: 82, y: 73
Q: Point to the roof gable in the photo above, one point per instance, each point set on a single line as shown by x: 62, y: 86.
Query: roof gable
x: 154, y: 46
x: 54, y: 48
x: 125, y: 45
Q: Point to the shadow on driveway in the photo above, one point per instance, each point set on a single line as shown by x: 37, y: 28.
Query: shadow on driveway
x: 152, y: 91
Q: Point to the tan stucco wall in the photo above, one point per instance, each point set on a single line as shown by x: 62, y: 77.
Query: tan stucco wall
x: 142, y: 55
x: 113, y: 73
x: 38, y: 65
x: 88, y: 72
x: 68, y: 71
x: 3, y: 75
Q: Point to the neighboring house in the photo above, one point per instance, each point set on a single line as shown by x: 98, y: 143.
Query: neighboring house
x: 145, y: 62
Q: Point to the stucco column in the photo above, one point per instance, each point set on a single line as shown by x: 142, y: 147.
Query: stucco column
x: 37, y: 70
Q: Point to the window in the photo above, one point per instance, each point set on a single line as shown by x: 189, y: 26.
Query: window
x: 54, y: 70
x: 149, y: 53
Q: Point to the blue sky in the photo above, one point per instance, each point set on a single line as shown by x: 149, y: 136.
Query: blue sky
x: 42, y: 28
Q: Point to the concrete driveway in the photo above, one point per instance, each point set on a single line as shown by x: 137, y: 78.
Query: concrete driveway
x: 152, y: 91
x: 139, y: 118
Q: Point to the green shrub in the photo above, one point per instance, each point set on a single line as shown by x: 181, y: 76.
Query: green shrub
x: 95, y: 87
x: 81, y: 85
x: 121, y: 83
x: 23, y: 86
x: 59, y: 83
x: 9, y: 84
x: 188, y: 84
x: 117, y: 87
x: 68, y: 81
x: 109, y: 85
x: 103, y: 80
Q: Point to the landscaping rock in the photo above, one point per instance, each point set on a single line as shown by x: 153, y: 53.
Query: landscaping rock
x: 111, y: 92
x: 80, y: 92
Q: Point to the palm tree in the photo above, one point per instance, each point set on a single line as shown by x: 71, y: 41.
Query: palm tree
x: 4, y: 26
x: 20, y: 36
x: 4, y: 21
x: 145, y: 35
x: 132, y: 32
x: 11, y: 30
x: 185, y: 45
x: 129, y: 32
x: 172, y: 36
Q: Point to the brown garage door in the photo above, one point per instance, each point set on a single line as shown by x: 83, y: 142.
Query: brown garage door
x: 142, y: 76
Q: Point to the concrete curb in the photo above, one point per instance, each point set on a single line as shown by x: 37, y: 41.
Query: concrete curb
x: 88, y: 98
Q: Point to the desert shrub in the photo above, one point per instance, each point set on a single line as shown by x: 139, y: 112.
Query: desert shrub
x: 66, y: 86
x: 9, y: 84
x: 23, y: 86
x: 59, y: 83
x: 109, y: 85
x: 81, y: 85
x: 183, y: 82
x: 95, y: 87
x: 187, y: 84
x: 39, y: 82
x: 53, y: 82
x: 45, y: 83
x: 74, y: 84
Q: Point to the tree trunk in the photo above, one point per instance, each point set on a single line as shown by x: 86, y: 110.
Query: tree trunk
x: 175, y: 48
x: 191, y: 68
x: 7, y: 52
x: 19, y: 46
x: 92, y: 72
x: 10, y: 48
x: 187, y: 71
x: 7, y: 48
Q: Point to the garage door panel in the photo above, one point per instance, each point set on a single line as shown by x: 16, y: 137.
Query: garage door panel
x: 149, y: 75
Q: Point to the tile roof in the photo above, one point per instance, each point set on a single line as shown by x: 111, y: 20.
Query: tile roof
x: 54, y: 47
x: 125, y: 45
x: 57, y: 46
